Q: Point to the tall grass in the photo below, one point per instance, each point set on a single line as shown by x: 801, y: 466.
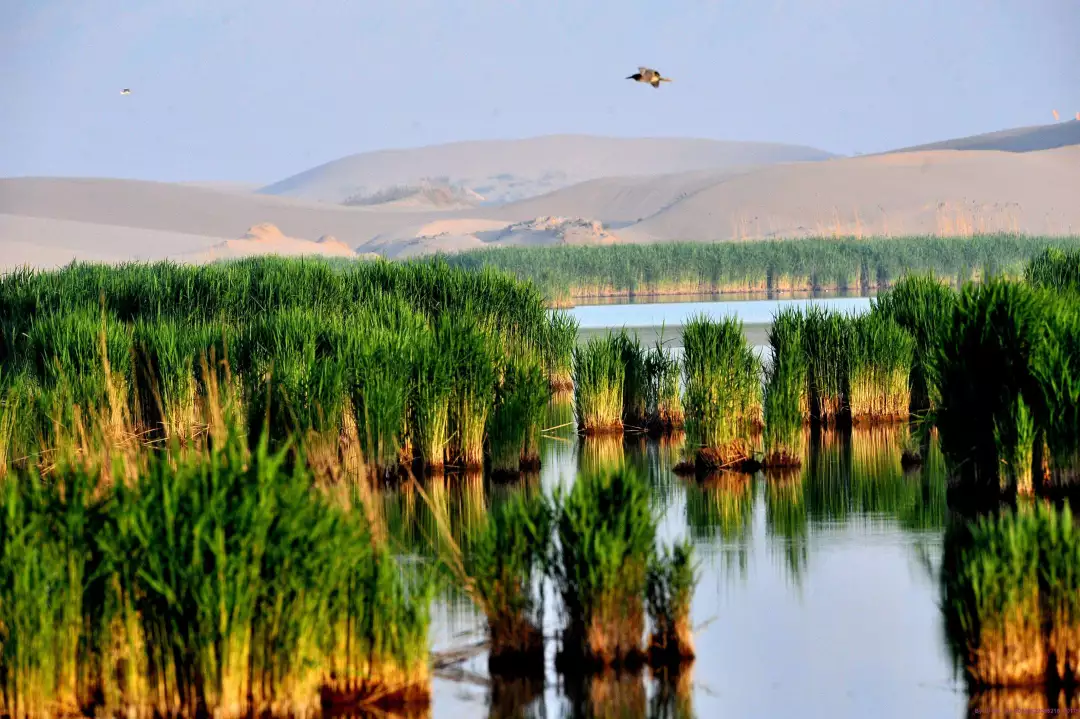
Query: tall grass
x: 829, y: 344
x: 635, y: 379
x: 504, y: 565
x: 521, y: 399
x: 1054, y: 268
x: 1010, y: 588
x: 785, y: 403
x: 722, y: 381
x: 559, y: 342
x: 605, y: 532
x: 923, y: 306
x: 599, y: 381
x: 216, y: 583
x: 663, y: 399
x: 879, y: 388
x: 768, y: 265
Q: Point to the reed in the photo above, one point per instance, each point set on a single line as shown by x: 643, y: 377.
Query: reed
x: 880, y: 370
x: 722, y: 385
x: 829, y: 344
x: 1054, y: 268
x: 1009, y: 587
x: 504, y: 565
x: 924, y: 307
x: 599, y: 381
x: 605, y: 531
x: 560, y: 338
x: 663, y: 401
x: 635, y: 379
x: 986, y: 380
x: 785, y: 405
x: 669, y: 587
x: 520, y: 401
x: 473, y: 361
x: 785, y: 265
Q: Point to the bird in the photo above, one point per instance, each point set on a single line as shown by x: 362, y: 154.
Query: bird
x: 645, y: 74
x: 125, y: 91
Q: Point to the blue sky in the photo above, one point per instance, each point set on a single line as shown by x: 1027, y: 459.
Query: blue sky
x: 256, y: 90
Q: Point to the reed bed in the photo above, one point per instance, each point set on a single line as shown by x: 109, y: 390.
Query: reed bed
x: 1010, y: 588
x: 864, y: 263
x: 406, y: 357
x: 167, y: 593
x: 722, y: 381
x: 879, y: 382
x: 1055, y: 268
x: 521, y: 399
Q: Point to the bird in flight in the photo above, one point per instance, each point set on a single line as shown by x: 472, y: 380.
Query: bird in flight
x: 125, y: 91
x: 645, y: 74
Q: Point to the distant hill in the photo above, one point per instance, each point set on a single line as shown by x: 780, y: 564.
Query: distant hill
x: 1018, y: 139
x: 506, y: 170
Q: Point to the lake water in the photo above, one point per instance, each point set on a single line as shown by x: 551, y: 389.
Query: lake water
x: 819, y: 589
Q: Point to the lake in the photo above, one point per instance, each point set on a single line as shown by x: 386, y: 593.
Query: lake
x: 819, y: 588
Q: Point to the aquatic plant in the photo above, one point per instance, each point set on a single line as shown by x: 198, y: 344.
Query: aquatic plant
x: 605, y: 531
x: 784, y: 265
x: 663, y: 400
x: 1009, y: 588
x: 1054, y: 268
x: 560, y: 338
x: 599, y: 381
x: 635, y: 379
x: 923, y: 306
x: 503, y: 565
x: 520, y: 400
x: 785, y: 406
x: 722, y: 386
x: 829, y: 345
x: 880, y: 369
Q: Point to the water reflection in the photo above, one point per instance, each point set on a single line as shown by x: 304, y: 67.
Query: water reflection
x: 851, y: 544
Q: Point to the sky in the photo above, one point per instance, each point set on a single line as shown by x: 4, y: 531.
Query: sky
x: 258, y: 90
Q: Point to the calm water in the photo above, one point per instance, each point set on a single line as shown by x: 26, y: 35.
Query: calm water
x: 653, y: 320
x: 818, y: 595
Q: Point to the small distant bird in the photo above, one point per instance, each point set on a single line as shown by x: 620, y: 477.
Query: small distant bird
x: 125, y: 91
x: 645, y: 74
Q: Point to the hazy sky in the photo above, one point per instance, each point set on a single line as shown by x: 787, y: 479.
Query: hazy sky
x: 256, y: 90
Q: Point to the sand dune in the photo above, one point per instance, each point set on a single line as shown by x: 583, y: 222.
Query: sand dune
x: 49, y: 221
x: 939, y: 192
x: 507, y: 170
x: 1019, y: 139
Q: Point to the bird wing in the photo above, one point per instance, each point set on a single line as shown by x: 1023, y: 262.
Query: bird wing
x: 655, y: 82
x: 644, y: 70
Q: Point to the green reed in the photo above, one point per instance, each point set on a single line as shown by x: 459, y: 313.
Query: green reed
x: 785, y: 398
x: 663, y: 400
x: 1054, y: 268
x: 924, y: 307
x: 520, y: 400
x: 635, y: 379
x: 1009, y: 594
x: 599, y: 382
x: 605, y: 530
x: 880, y: 369
x: 829, y: 344
x: 560, y: 339
x: 722, y: 386
x: 504, y: 564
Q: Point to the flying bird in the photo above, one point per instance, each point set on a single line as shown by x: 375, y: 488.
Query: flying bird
x: 125, y: 91
x: 645, y: 74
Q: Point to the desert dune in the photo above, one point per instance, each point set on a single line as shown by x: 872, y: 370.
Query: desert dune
x: 49, y: 221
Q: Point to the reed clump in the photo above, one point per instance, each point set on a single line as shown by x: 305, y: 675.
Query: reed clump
x: 559, y: 342
x: 599, y: 381
x: 213, y: 582
x: 923, y: 306
x: 722, y: 389
x: 605, y: 531
x: 663, y: 399
x: 520, y: 400
x: 879, y: 382
x: 785, y: 407
x: 1010, y: 586
x: 504, y: 565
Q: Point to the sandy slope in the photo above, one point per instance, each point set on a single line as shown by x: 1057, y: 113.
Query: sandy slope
x: 941, y: 192
x: 1020, y: 139
x: 49, y: 221
x: 503, y: 170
